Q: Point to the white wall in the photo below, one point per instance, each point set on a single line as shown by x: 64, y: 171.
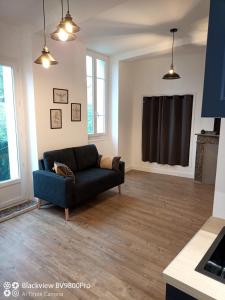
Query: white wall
x: 69, y: 74
x: 219, y: 197
x: 29, y: 122
x: 125, y: 113
x: 143, y: 78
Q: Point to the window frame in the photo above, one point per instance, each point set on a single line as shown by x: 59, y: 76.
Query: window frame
x: 95, y: 56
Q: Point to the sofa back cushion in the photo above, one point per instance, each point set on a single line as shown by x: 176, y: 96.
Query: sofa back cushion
x: 64, y: 156
x: 86, y: 157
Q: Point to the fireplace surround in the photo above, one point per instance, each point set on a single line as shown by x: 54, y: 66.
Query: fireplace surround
x: 206, y: 158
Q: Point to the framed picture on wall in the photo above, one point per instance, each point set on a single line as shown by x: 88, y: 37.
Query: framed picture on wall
x: 75, y: 112
x: 55, y: 118
x: 60, y: 96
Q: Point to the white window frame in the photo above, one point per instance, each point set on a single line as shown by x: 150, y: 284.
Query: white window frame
x: 12, y: 130
x: 105, y: 58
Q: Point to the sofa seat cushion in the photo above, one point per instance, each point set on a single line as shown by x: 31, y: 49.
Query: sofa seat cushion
x: 93, y: 181
x: 64, y: 156
x: 86, y: 157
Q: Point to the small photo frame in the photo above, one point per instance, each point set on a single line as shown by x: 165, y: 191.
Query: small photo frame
x: 60, y: 96
x: 55, y: 118
x: 75, y: 112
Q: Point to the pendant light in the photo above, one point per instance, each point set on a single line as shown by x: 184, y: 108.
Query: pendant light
x: 46, y: 59
x: 61, y: 34
x: 69, y: 25
x: 172, y: 74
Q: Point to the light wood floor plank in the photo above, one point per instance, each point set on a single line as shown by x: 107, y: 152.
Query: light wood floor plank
x: 118, y: 243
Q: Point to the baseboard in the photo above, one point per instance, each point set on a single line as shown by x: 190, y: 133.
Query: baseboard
x: 162, y: 171
x: 17, y: 212
x: 128, y: 168
x: 11, y: 202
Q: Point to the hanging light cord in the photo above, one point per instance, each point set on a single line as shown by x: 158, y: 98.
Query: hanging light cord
x: 62, y: 8
x: 172, y: 48
x: 68, y: 6
x: 44, y: 23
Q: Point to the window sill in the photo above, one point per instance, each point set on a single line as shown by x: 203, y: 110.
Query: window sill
x: 10, y: 182
x: 97, y: 137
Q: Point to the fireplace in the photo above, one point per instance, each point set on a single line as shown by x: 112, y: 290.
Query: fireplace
x: 206, y: 158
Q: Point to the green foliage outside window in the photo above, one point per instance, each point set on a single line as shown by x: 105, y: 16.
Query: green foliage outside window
x: 90, y: 119
x: 4, y: 155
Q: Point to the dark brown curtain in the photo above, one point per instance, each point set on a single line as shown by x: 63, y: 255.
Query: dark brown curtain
x: 166, y: 129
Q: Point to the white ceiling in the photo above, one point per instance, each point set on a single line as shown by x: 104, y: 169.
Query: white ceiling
x: 118, y: 26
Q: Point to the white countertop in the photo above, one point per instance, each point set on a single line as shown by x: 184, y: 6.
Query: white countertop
x: 181, y: 271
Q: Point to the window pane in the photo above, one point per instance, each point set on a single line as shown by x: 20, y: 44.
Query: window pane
x: 100, y: 124
x: 1, y: 85
x: 100, y: 68
x: 90, y: 105
x: 96, y: 74
x: 100, y: 105
x: 8, y: 139
x: 100, y: 96
x: 89, y: 66
x: 4, y: 153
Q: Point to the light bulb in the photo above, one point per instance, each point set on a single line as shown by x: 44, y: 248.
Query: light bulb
x: 171, y: 71
x: 68, y: 27
x: 63, y: 35
x: 45, y: 63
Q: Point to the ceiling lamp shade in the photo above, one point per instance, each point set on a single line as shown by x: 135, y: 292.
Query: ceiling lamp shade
x: 172, y: 74
x: 61, y: 34
x: 46, y: 59
x: 69, y: 25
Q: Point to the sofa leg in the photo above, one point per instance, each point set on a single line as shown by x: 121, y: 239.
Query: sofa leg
x: 39, y: 204
x: 67, y: 214
x: 119, y: 188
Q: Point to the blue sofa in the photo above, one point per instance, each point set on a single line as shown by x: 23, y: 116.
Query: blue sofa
x: 90, y: 179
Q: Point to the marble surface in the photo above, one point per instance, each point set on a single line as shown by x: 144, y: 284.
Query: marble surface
x: 208, y: 135
x: 181, y: 271
x: 201, y: 157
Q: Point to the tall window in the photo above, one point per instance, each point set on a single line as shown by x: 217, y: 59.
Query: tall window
x: 96, y: 94
x: 8, y: 140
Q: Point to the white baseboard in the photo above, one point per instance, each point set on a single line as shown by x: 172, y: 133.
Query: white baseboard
x: 128, y: 168
x: 17, y: 213
x: 11, y: 202
x: 163, y: 171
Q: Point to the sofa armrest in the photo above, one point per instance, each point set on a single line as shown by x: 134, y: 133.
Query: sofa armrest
x: 122, y: 169
x: 53, y: 188
x: 122, y: 166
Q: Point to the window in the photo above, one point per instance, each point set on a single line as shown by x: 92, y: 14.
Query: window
x: 96, y: 94
x: 8, y: 140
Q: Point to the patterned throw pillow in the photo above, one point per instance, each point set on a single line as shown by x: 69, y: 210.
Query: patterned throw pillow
x: 63, y: 170
x: 107, y: 162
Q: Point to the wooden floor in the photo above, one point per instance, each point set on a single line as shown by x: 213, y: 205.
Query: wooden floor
x: 119, y: 244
